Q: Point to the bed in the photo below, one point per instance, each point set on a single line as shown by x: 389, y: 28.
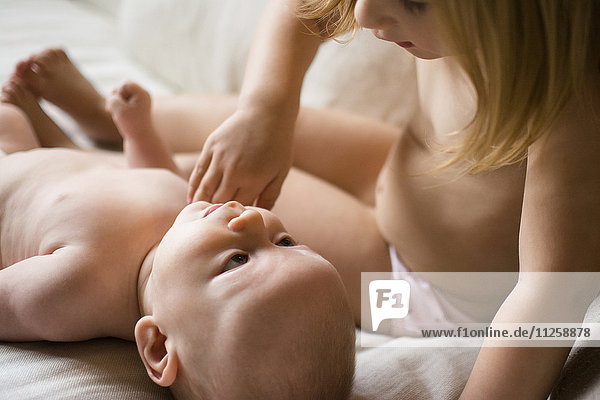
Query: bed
x: 201, y: 45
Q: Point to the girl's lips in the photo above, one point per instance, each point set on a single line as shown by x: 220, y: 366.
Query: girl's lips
x: 406, y: 45
x: 210, y: 209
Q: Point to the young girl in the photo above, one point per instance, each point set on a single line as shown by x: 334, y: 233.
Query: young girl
x: 497, y: 171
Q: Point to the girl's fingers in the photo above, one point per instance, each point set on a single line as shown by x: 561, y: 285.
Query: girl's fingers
x: 269, y: 195
x: 245, y: 196
x: 197, y: 174
x: 227, y: 190
x: 208, y: 185
x: 235, y: 188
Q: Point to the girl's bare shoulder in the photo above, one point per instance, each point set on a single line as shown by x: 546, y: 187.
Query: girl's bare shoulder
x: 561, y: 217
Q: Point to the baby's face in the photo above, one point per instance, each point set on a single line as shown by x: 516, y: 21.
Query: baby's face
x: 228, y: 243
x: 225, y: 272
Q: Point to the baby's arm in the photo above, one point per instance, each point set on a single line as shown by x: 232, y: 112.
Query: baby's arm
x: 130, y: 107
x: 249, y: 155
x: 49, y: 297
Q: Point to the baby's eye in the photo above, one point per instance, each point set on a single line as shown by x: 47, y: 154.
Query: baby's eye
x: 235, y: 261
x: 286, y: 242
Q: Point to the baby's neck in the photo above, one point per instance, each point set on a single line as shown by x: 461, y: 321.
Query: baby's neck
x: 143, y: 295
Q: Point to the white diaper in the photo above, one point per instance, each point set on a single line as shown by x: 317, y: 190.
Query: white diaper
x: 428, y: 307
x: 2, y: 154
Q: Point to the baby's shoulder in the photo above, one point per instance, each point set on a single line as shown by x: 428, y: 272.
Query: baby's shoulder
x: 41, y: 165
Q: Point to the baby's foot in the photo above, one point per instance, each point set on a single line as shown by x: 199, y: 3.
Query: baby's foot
x: 130, y: 106
x: 15, y: 92
x: 49, y: 134
x: 52, y: 76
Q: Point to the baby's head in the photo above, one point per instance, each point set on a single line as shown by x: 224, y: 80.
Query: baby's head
x: 239, y: 311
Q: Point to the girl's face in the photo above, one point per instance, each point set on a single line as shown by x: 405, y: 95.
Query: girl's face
x: 408, y: 23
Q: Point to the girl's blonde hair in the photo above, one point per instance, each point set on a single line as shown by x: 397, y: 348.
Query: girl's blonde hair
x: 525, y: 59
x: 334, y: 17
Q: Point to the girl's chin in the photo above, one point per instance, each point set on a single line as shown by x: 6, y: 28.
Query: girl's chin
x: 423, y: 54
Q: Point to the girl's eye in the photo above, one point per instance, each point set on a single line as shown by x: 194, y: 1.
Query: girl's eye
x: 286, y: 242
x: 235, y: 261
x: 414, y: 7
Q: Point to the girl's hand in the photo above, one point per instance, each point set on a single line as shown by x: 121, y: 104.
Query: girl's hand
x: 246, y: 159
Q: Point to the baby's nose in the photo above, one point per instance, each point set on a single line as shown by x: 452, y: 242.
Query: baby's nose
x: 248, y: 221
x: 234, y: 204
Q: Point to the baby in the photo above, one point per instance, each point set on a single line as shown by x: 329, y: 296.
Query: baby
x: 220, y: 300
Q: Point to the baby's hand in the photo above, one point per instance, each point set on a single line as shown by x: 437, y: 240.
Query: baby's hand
x: 246, y: 159
x: 130, y: 106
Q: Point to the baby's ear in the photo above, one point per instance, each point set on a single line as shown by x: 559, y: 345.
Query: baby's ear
x: 151, y: 344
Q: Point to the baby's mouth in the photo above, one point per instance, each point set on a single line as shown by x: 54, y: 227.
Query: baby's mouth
x: 210, y: 209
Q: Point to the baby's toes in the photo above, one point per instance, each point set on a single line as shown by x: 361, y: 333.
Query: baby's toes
x: 11, y: 92
x: 48, y: 60
x: 22, y: 68
x: 30, y: 73
x: 7, y: 94
x: 15, y: 92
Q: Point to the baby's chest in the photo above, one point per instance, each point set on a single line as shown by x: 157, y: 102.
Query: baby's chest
x: 105, y: 220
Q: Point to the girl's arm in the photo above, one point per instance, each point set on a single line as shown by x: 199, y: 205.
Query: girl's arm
x: 249, y: 155
x: 560, y: 232
x: 283, y: 49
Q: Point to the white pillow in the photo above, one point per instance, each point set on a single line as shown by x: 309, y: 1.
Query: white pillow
x: 109, y: 6
x: 202, y: 46
x: 365, y: 76
x: 196, y: 45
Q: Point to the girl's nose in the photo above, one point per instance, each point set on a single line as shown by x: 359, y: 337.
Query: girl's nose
x: 373, y: 14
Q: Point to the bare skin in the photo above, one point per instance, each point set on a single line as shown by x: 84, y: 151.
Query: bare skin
x: 50, y: 75
x: 352, y: 193
x: 542, y: 216
x: 74, y: 240
x: 423, y: 217
x: 130, y: 107
x: 15, y: 92
x: 194, y: 285
x: 73, y: 262
x: 436, y: 222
